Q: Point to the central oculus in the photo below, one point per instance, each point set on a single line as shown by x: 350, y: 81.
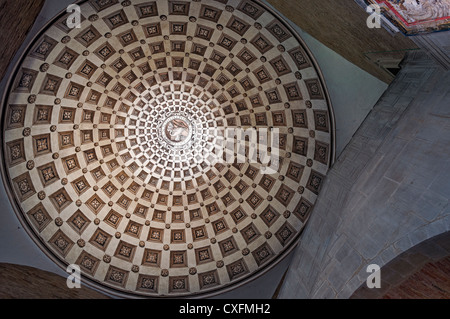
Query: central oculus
x: 177, y: 130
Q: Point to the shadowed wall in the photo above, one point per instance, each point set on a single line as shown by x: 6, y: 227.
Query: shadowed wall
x: 22, y: 282
x: 16, y: 19
x: 341, y: 26
x: 388, y: 191
x: 422, y: 272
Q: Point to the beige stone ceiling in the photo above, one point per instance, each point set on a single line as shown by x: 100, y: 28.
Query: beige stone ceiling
x: 103, y: 125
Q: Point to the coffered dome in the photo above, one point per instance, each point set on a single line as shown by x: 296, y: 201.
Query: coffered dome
x: 110, y: 134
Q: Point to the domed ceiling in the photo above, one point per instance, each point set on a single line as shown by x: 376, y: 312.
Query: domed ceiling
x: 106, y: 127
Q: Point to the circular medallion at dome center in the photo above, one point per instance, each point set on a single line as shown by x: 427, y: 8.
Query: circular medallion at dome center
x: 177, y: 130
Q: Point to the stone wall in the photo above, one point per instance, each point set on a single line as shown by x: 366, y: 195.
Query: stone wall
x: 388, y: 191
x: 341, y: 26
x: 22, y: 282
x: 422, y: 272
x: 15, y: 16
